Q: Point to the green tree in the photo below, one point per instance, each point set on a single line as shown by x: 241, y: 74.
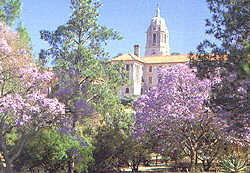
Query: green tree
x: 87, y: 83
x: 76, y: 49
x: 228, y: 59
x: 50, y: 149
x: 24, y: 37
x: 9, y: 11
x: 116, y: 146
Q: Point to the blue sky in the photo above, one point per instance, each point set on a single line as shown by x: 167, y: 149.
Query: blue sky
x: 185, y: 21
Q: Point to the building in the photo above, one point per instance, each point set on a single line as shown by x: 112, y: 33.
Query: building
x: 143, y: 69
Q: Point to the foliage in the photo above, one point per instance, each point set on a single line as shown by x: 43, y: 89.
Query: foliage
x: 24, y: 37
x: 50, y: 149
x: 175, y: 113
x: 24, y: 106
x: 128, y: 100
x: 86, y: 82
x: 228, y: 57
x: 9, y: 14
x: 9, y: 11
x: 175, y: 97
x: 233, y: 164
x: 76, y: 49
x: 116, y: 146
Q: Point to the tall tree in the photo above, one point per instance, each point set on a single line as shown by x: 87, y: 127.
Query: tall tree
x: 86, y: 81
x: 76, y: 49
x: 9, y: 14
x: 229, y: 57
x: 24, y: 37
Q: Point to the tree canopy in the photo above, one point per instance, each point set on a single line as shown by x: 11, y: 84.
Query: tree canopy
x: 228, y: 57
x: 175, y: 116
x: 24, y: 105
x: 9, y: 11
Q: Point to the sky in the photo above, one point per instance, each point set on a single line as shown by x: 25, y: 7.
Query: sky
x: 185, y: 20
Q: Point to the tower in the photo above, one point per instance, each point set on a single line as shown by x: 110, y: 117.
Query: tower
x: 157, y: 37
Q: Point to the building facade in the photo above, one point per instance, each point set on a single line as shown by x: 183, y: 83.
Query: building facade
x: 142, y: 70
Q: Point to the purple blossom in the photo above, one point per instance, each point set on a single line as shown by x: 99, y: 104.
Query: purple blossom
x: 64, y: 92
x: 179, y: 96
x: 83, y: 107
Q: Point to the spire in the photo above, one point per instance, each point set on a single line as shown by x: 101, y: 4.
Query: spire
x: 157, y: 43
x: 157, y: 10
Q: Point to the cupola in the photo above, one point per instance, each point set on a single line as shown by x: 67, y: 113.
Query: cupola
x: 157, y: 43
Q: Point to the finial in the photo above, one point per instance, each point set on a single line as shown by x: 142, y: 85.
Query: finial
x: 157, y: 9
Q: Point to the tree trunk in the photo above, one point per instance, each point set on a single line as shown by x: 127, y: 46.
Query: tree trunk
x: 7, y: 169
x: 156, y: 159
x: 191, y: 160
x: 70, y: 166
x: 207, y: 166
x: 135, y: 169
x: 176, y: 164
x: 135, y: 165
x: 70, y: 162
x: 196, y: 158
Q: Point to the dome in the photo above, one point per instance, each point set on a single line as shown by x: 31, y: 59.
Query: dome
x: 157, y: 23
x: 157, y: 42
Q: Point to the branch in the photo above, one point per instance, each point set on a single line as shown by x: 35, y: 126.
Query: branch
x: 9, y: 92
x: 2, y: 88
x: 4, y: 117
x: 94, y: 96
x: 83, y: 80
x: 8, y: 130
x: 20, y: 148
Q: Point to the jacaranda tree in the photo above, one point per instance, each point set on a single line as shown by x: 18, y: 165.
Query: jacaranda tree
x: 24, y: 105
x: 176, y: 114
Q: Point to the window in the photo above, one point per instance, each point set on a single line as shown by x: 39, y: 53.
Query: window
x: 127, y: 90
x: 154, y: 39
x: 141, y: 90
x: 150, y: 80
x: 165, y: 38
x: 127, y: 67
x: 150, y: 68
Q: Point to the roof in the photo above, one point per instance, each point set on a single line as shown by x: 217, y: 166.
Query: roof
x: 153, y: 59
x: 127, y: 57
x: 165, y: 59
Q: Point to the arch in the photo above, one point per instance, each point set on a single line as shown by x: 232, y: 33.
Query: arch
x: 154, y: 38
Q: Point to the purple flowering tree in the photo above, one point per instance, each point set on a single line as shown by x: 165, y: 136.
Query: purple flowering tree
x: 24, y: 105
x: 176, y: 115
x: 179, y: 95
